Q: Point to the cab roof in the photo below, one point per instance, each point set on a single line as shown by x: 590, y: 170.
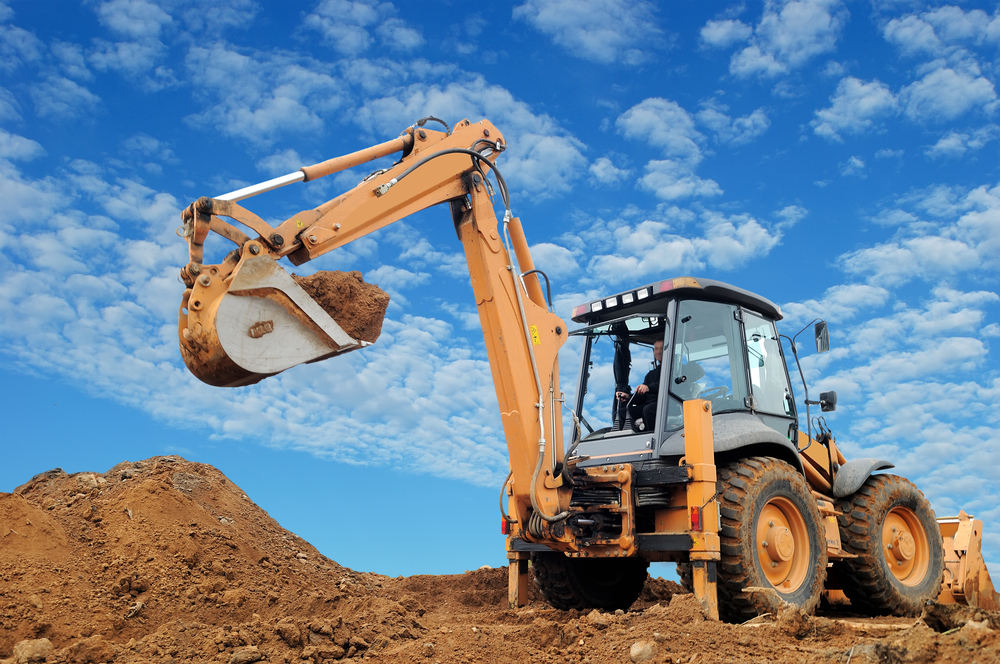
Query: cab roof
x: 614, y: 306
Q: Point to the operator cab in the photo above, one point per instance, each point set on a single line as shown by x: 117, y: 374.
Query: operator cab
x: 719, y: 344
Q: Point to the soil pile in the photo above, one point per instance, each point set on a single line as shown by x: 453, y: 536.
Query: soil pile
x: 168, y: 561
x: 358, y: 307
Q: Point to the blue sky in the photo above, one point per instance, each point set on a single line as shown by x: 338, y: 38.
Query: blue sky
x: 839, y: 158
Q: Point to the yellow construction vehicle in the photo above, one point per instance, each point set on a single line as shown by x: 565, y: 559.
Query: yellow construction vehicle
x: 702, y: 462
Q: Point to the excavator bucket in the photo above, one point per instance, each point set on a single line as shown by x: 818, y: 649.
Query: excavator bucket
x: 258, y: 324
x: 966, y: 579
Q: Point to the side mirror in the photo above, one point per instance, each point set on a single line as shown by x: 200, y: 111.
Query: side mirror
x: 828, y: 401
x: 822, y: 338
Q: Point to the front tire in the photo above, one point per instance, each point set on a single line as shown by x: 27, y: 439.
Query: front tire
x: 890, y: 526
x: 588, y: 583
x: 772, y: 538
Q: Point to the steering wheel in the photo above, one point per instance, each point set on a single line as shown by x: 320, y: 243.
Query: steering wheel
x: 714, y: 392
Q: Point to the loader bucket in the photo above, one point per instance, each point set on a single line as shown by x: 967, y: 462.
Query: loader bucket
x: 966, y: 579
x: 240, y: 330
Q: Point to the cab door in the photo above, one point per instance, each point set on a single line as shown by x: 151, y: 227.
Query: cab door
x: 771, y: 396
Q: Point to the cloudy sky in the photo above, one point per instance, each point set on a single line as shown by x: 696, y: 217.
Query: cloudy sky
x: 840, y: 158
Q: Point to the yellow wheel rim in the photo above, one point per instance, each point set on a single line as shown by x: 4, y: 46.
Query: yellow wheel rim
x: 904, y: 544
x: 783, y: 546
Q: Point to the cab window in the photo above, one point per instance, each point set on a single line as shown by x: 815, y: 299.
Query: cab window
x: 707, y: 360
x: 768, y: 379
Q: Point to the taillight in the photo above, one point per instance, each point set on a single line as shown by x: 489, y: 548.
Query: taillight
x: 695, y: 518
x: 504, y: 526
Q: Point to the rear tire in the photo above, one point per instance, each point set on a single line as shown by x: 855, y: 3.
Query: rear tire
x: 772, y: 537
x: 588, y: 583
x: 890, y: 526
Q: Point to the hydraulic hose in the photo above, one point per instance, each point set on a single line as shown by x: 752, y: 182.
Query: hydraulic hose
x: 538, y: 385
x: 503, y: 488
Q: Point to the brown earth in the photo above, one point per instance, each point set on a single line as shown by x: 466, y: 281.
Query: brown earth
x: 358, y: 307
x: 168, y: 561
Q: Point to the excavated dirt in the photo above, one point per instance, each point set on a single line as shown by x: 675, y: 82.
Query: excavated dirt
x: 168, y: 561
x: 358, y: 307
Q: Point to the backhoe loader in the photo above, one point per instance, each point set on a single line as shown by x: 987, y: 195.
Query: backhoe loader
x: 709, y: 468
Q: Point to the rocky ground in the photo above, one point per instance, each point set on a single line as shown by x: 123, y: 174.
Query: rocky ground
x: 168, y: 561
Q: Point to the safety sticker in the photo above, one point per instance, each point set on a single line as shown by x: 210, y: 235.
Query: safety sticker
x: 535, y: 339
x: 298, y: 223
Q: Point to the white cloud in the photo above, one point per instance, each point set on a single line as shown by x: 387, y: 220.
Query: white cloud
x: 147, y: 146
x: 912, y: 35
x: 791, y: 215
x: 752, y: 60
x: 9, y: 108
x: 137, y: 19
x: 897, y: 262
x: 132, y: 59
x: 955, y: 144
x: 555, y: 260
x: 17, y: 47
x: 604, y: 31
x: 834, y: 69
x: 61, y: 99
x: 894, y: 217
x: 854, y: 165
x: 966, y: 240
x: 725, y: 33
x: 19, y: 148
x: 396, y: 34
x: 789, y: 34
x: 945, y: 94
x: 889, y: 153
x: 347, y: 26
x: 394, y: 280
x: 71, y: 59
x: 219, y: 16
x: 260, y: 97
x: 856, y: 107
x: 625, y: 251
x: 733, y: 131
x: 664, y: 124
x: 280, y: 163
x: 604, y: 171
x: 418, y: 253
x: 838, y: 304
x: 670, y: 180
x: 942, y: 31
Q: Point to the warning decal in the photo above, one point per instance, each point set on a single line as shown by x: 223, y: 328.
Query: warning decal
x: 535, y: 339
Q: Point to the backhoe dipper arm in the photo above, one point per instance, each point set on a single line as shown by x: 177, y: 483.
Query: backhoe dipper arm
x: 522, y: 336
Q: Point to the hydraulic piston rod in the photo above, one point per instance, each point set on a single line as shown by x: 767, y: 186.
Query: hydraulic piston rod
x: 322, y: 169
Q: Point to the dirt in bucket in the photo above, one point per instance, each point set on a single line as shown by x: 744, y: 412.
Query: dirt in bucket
x: 358, y: 307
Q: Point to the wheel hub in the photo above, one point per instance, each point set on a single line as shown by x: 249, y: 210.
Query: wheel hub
x: 781, y: 544
x: 904, y: 544
x: 905, y: 547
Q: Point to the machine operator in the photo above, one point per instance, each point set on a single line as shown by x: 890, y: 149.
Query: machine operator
x: 642, y: 406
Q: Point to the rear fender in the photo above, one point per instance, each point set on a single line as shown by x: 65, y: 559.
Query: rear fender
x: 853, y: 474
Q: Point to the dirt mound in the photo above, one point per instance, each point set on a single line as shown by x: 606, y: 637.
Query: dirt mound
x: 358, y: 307
x: 168, y: 561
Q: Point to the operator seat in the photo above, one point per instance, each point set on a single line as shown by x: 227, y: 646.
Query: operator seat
x: 685, y: 381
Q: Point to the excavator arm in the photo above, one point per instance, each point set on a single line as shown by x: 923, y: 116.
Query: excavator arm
x: 245, y: 318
